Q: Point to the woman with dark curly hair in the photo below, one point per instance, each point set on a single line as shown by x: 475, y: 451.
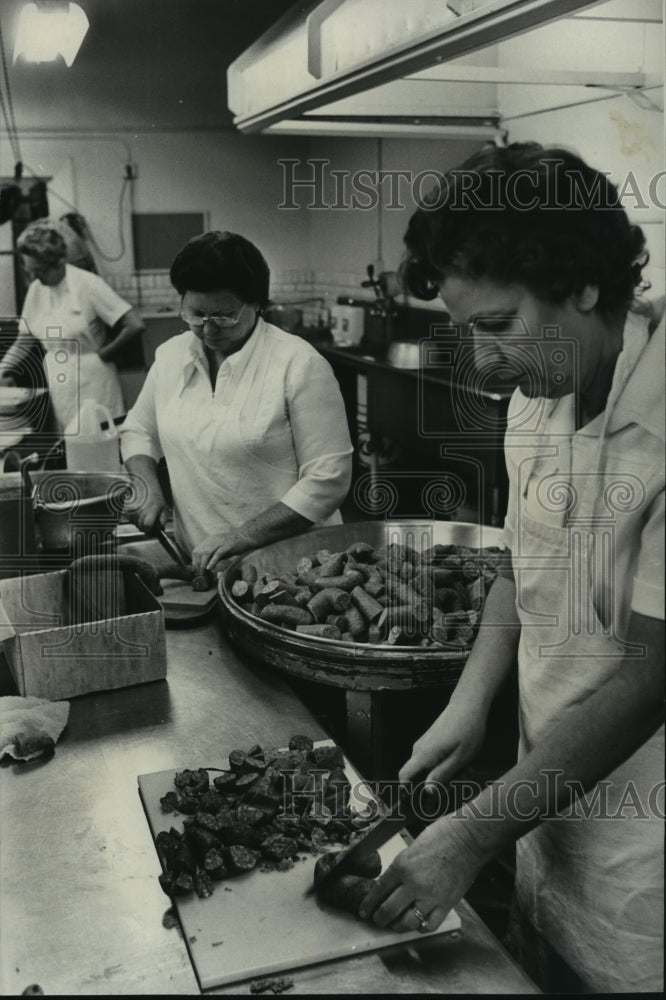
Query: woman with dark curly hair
x: 540, y: 268
x: 249, y: 419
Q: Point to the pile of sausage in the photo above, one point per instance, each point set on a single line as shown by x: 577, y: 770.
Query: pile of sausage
x: 392, y: 595
x: 266, y: 809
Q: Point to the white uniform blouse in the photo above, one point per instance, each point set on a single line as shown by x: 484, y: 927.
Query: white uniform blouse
x: 274, y: 429
x: 70, y: 320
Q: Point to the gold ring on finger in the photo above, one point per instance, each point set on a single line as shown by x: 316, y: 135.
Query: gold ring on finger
x: 423, y: 920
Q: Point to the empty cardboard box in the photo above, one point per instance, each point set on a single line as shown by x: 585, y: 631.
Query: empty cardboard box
x: 63, y: 638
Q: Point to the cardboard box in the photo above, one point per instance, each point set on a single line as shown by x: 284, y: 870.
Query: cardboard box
x: 61, y: 640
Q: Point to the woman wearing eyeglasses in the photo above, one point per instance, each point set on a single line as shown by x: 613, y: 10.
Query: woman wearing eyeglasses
x: 68, y: 310
x: 248, y: 418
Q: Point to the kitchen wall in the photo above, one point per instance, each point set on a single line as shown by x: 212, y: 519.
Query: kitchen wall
x: 234, y: 178
x: 353, y: 230
x: 615, y: 134
x: 242, y: 184
x: 154, y: 102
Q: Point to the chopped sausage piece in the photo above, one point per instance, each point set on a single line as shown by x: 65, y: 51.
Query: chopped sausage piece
x: 327, y: 757
x: 179, y: 885
x: 245, y: 780
x: 278, y: 847
x: 288, y: 615
x: 249, y: 814
x: 333, y: 566
x: 368, y: 866
x: 169, y: 802
x: 240, y: 859
x: 203, y: 884
x: 344, y: 581
x: 242, y: 835
x: 236, y: 759
x: 321, y: 631
x: 167, y: 847
x: 249, y: 573
x: 201, y: 841
x: 225, y: 782
x: 184, y: 861
x: 241, y: 590
x: 346, y: 892
x: 213, y: 863
x: 211, y: 802
x: 196, y: 781
x: 255, y: 764
x: 188, y: 804
x: 301, y: 743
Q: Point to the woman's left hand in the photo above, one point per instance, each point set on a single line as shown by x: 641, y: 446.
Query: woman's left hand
x: 433, y: 874
x: 214, y: 548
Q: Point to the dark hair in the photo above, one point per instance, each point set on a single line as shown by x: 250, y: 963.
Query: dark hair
x: 215, y: 261
x: 525, y: 214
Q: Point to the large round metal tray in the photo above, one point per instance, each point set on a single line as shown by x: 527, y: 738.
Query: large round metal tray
x: 341, y: 664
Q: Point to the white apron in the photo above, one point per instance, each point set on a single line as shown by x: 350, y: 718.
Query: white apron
x: 593, y: 888
x: 83, y: 374
x: 71, y: 363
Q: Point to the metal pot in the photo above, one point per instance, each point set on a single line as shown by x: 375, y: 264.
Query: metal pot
x: 77, y: 509
x: 18, y: 542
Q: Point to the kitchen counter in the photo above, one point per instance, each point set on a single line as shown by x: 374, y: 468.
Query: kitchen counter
x: 82, y: 909
x: 439, y: 374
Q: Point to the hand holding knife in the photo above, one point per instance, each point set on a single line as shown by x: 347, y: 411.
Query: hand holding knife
x: 170, y: 547
x: 374, y: 838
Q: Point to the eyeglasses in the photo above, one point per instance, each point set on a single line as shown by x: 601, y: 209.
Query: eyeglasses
x: 194, y: 319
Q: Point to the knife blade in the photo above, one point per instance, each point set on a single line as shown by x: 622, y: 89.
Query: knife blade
x: 170, y: 547
x: 372, y: 840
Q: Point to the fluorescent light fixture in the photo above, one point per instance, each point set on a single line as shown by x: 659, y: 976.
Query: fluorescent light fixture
x: 387, y: 129
x: 48, y: 29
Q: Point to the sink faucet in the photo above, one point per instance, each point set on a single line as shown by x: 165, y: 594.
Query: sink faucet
x: 384, y: 307
x: 12, y: 462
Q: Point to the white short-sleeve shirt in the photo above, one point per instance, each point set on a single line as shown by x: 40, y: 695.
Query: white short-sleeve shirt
x: 273, y: 429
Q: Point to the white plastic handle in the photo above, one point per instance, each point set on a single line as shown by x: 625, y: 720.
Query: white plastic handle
x: 107, y: 416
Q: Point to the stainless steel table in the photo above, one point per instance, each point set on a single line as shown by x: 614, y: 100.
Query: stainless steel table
x: 81, y: 909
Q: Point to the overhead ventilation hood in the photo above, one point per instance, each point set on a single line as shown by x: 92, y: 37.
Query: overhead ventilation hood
x: 424, y: 67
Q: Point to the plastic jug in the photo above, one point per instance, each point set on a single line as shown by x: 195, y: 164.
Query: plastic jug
x: 89, y: 448
x: 347, y: 325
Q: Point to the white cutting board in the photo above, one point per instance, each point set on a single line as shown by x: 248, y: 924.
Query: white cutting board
x: 264, y: 923
x: 178, y: 599
x: 179, y: 596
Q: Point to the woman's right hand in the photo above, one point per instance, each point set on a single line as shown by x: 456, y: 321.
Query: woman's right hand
x: 453, y: 740
x: 152, y: 514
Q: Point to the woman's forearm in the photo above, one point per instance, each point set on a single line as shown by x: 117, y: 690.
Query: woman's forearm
x: 273, y: 524
x: 494, y: 652
x: 127, y: 328
x: 589, y: 741
x: 143, y: 473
